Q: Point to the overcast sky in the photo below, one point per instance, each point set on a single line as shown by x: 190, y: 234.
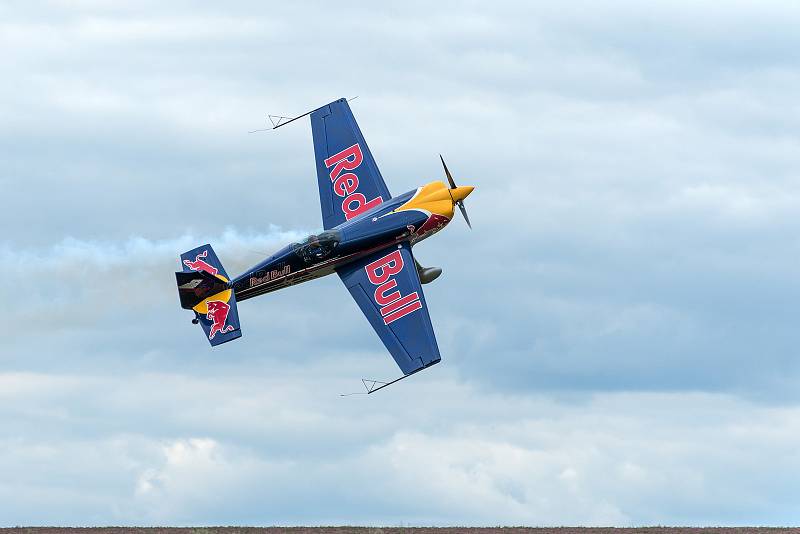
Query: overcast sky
x: 618, y: 332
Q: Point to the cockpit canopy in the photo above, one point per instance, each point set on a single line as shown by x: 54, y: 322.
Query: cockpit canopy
x: 317, y: 247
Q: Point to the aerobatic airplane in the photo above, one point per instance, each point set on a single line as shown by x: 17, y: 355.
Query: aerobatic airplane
x: 367, y: 241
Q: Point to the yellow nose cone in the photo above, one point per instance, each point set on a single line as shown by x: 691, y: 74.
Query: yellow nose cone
x: 460, y: 193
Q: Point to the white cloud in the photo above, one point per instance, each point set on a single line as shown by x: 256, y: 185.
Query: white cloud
x: 238, y: 449
x: 634, y: 234
x: 76, y: 280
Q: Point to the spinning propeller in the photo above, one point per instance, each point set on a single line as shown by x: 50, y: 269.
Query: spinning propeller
x: 457, y: 193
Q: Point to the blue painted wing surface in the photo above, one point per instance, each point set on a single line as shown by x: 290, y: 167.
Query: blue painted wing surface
x: 221, y: 322
x: 348, y: 178
x: 203, y: 258
x: 386, y: 287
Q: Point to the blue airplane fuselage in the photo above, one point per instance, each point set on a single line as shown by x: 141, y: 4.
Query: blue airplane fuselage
x: 320, y: 254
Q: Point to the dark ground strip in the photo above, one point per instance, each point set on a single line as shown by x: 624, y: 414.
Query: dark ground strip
x: 399, y: 530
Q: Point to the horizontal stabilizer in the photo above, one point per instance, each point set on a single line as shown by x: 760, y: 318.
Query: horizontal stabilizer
x: 203, y: 258
x: 203, y: 287
x: 219, y: 318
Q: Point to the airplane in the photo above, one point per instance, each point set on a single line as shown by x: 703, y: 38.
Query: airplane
x: 367, y: 241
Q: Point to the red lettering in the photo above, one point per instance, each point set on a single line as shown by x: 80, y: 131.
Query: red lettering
x: 380, y: 293
x: 348, y: 159
x: 393, y: 305
x: 416, y: 305
x: 386, y: 310
x: 361, y: 206
x: 388, y: 265
x: 345, y: 184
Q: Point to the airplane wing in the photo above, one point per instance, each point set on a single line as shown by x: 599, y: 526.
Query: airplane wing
x: 348, y: 178
x: 386, y: 287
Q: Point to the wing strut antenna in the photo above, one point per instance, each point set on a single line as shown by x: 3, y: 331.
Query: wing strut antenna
x: 374, y: 385
x: 279, y: 120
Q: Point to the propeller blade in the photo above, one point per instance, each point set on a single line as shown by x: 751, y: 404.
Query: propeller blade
x: 447, y: 172
x: 453, y: 186
x: 464, y: 212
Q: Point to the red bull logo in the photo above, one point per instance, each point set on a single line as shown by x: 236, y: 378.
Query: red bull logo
x: 393, y: 304
x: 274, y: 274
x: 199, y: 264
x: 218, y: 315
x: 346, y: 185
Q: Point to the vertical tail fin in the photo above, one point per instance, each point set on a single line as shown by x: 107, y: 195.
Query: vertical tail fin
x: 203, y: 288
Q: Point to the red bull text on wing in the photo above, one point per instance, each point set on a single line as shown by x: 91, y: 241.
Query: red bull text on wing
x: 346, y: 185
x: 393, y: 305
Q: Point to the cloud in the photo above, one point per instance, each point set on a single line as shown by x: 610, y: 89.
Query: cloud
x: 74, y: 283
x: 617, y: 331
x: 245, y: 449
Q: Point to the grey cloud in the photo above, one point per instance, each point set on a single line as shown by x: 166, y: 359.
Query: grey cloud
x: 629, y: 280
x: 263, y: 446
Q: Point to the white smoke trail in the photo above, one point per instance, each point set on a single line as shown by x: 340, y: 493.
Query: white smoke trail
x: 77, y: 280
x: 88, y: 256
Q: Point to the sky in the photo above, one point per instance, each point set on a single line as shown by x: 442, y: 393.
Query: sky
x: 618, y: 333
